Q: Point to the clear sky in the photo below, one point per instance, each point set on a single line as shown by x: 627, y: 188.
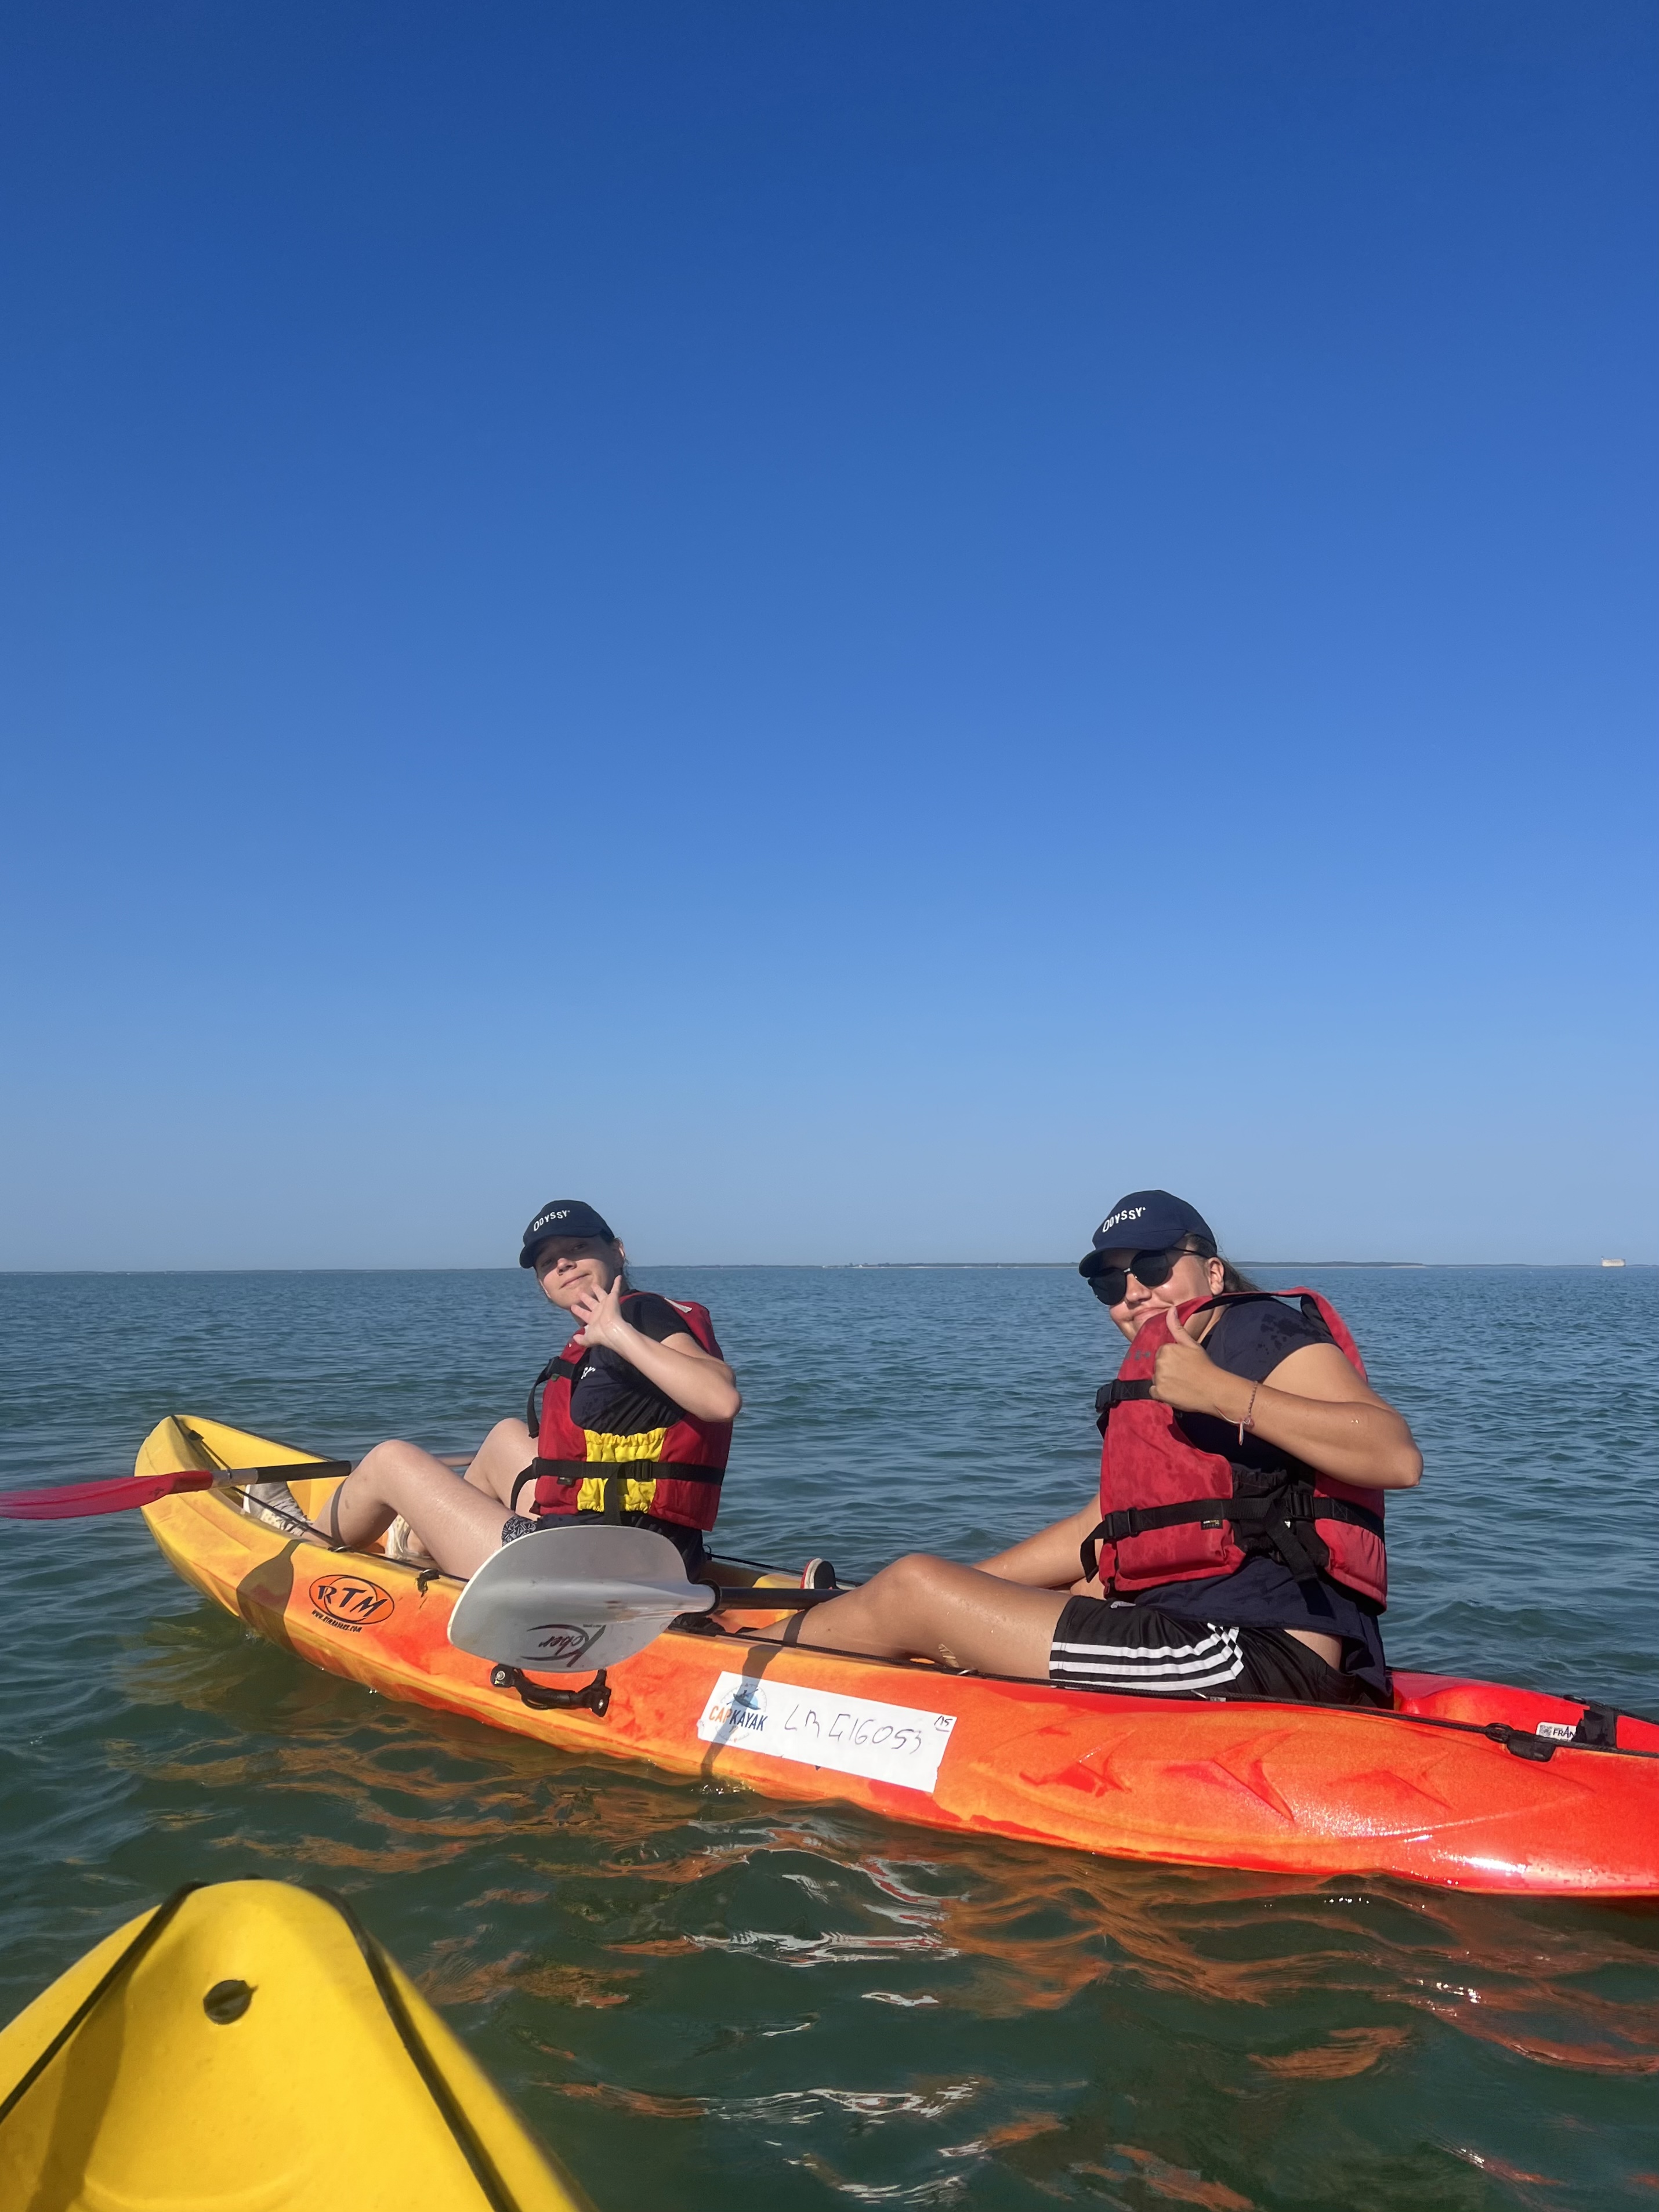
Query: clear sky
x: 847, y: 629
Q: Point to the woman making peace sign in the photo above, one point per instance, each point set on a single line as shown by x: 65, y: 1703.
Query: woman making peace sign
x: 634, y: 1426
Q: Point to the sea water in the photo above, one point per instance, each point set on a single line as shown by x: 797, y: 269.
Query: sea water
x: 704, y: 1997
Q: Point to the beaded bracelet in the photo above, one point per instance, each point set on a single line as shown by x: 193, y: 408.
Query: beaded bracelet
x: 1247, y: 1422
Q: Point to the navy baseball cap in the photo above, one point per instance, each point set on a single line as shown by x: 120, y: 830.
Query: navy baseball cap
x: 563, y: 1217
x: 1145, y: 1221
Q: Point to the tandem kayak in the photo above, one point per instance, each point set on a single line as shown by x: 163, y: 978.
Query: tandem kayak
x: 1469, y: 1784
x: 248, y: 2047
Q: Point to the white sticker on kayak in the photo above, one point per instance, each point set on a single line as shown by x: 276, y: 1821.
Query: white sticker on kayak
x: 816, y: 1727
x: 1559, y: 1731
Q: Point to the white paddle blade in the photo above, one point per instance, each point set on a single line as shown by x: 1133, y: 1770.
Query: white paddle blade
x: 564, y: 1600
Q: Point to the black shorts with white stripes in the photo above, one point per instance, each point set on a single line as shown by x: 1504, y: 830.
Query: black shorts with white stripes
x: 1137, y: 1650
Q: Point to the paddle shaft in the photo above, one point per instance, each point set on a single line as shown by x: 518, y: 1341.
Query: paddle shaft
x: 767, y: 1600
x: 121, y: 1493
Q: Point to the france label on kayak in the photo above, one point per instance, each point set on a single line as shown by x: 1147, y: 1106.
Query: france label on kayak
x: 816, y: 1727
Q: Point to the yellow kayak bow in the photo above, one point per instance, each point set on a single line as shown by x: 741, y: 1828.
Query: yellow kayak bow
x: 247, y: 2046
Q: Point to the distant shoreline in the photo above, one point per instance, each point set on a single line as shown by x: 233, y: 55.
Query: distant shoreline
x: 871, y: 1265
x: 867, y: 1265
x: 817, y: 1267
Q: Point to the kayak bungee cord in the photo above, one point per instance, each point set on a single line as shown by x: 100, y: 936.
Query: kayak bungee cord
x: 94, y: 1996
x: 484, y: 2170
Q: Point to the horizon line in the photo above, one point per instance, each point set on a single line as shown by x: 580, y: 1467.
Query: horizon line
x: 816, y: 1267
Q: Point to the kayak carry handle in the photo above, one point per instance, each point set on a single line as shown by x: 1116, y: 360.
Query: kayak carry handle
x: 594, y: 1697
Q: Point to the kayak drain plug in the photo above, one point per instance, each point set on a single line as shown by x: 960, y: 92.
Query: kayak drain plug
x: 226, y: 2001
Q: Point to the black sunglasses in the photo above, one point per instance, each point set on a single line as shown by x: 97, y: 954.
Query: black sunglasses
x: 1150, y: 1269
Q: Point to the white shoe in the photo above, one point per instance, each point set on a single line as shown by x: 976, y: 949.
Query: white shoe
x: 402, y: 1543
x: 276, y: 1505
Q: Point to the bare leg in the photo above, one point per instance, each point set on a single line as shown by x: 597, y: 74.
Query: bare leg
x: 459, y: 1525
x: 933, y: 1610
x: 501, y: 1459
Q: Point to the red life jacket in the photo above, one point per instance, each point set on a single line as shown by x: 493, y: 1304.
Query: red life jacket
x: 627, y: 1474
x: 1171, y: 1513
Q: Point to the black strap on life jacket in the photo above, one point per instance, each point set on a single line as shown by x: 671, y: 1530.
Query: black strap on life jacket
x: 612, y: 1476
x: 1277, y: 1522
x: 565, y: 1472
x: 1115, y: 1394
x: 566, y: 1371
x: 609, y: 1474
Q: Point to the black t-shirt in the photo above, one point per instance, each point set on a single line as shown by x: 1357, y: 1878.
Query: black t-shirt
x: 1251, y: 1341
x: 609, y: 1394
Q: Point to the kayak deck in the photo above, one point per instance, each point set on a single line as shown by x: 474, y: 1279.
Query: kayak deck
x: 248, y: 2045
x: 1422, y: 1792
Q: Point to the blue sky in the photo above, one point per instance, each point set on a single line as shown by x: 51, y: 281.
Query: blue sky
x: 847, y: 628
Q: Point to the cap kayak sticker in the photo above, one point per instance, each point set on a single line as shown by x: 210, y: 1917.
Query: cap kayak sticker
x: 816, y: 1727
x: 350, y: 1601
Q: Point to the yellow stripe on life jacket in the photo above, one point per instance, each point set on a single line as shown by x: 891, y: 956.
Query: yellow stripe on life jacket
x: 638, y: 1496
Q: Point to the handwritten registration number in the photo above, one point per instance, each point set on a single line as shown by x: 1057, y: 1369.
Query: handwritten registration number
x: 815, y: 1728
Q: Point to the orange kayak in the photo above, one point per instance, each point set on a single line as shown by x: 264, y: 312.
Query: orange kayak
x: 1469, y: 1784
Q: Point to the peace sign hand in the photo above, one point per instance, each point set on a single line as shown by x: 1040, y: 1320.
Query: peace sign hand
x: 600, y: 1314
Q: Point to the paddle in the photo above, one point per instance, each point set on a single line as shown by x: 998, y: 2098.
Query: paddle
x: 75, y: 1501
x: 564, y: 1600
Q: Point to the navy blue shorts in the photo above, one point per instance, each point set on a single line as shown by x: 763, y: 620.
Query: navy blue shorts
x: 1139, y: 1650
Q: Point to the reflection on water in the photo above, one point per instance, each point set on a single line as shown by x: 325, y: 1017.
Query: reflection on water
x: 691, y: 1989
x: 883, y: 2015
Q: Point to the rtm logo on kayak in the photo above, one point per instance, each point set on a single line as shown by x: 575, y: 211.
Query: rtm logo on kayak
x: 562, y: 1640
x: 350, y: 1601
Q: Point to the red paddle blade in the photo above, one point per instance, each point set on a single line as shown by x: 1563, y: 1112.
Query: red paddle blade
x: 73, y: 1501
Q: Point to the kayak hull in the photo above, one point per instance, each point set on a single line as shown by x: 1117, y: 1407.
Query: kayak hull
x: 1305, y: 1792
x: 247, y: 2047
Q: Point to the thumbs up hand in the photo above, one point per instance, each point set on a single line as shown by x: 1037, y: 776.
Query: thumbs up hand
x: 1184, y: 1375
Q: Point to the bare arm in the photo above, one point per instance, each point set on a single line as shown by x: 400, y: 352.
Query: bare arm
x: 1313, y: 1405
x: 680, y: 1366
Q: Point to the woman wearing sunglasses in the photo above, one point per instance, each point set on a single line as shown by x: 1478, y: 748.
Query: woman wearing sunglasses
x: 1236, y: 1549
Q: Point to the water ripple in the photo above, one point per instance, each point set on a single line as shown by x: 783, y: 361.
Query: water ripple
x: 692, y: 1989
